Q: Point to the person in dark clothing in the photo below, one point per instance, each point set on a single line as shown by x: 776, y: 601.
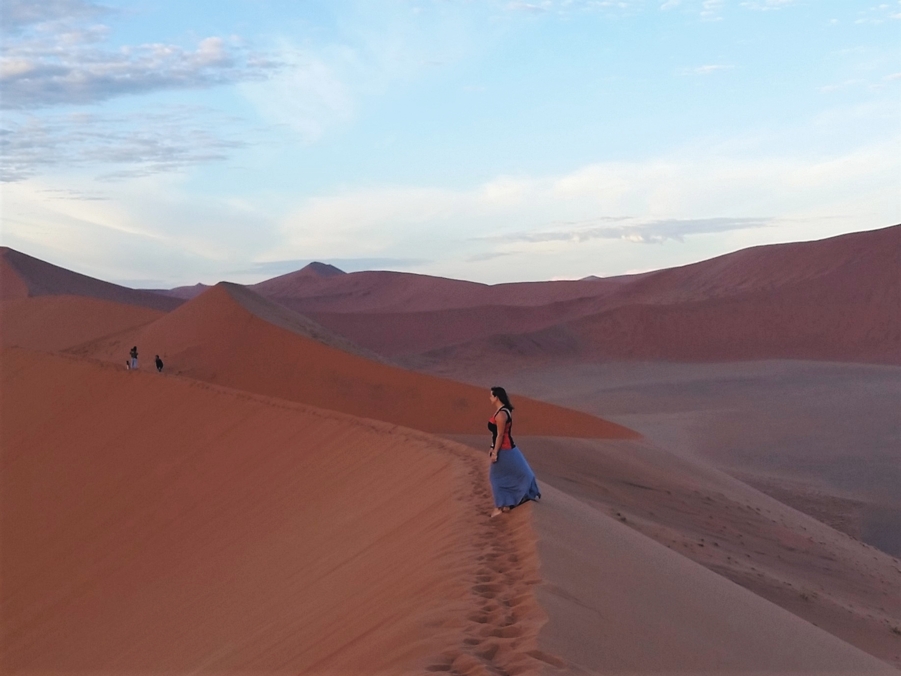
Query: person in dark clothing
x: 159, y: 364
x: 133, y: 353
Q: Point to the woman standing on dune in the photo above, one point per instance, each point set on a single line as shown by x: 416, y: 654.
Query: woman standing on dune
x: 512, y: 480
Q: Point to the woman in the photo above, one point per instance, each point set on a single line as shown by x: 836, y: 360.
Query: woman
x: 512, y: 480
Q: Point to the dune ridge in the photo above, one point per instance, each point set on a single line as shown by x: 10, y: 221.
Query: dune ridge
x: 22, y: 275
x: 832, y: 299
x: 184, y: 526
x: 216, y: 338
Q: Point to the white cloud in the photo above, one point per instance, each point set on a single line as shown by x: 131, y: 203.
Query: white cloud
x: 707, y: 69
x: 586, y: 221
x: 308, y: 95
x: 765, y: 5
x: 691, y: 194
x: 710, y: 9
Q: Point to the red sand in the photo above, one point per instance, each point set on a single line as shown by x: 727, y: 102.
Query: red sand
x: 216, y: 339
x: 834, y: 299
x: 54, y: 323
x: 28, y: 276
x: 661, y: 612
x: 404, y: 292
x: 11, y: 283
x: 154, y: 524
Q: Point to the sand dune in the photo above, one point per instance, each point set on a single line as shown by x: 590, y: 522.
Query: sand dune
x: 22, y: 275
x: 775, y: 552
x: 821, y: 436
x: 307, y: 541
x: 661, y: 612
x: 361, y: 292
x: 216, y: 338
x: 834, y: 299
x: 154, y: 524
x: 53, y: 323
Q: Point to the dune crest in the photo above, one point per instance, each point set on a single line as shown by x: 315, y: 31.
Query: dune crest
x: 216, y: 338
x: 833, y: 299
x: 185, y: 527
x: 39, y: 278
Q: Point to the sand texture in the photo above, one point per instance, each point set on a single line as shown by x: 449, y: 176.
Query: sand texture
x: 216, y: 338
x: 285, y: 498
x: 22, y: 276
x: 836, y: 299
x: 55, y: 323
x: 153, y: 524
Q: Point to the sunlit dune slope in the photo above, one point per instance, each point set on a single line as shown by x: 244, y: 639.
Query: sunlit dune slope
x: 216, y: 338
x: 22, y: 275
x: 53, y: 323
x: 154, y: 524
x: 837, y: 299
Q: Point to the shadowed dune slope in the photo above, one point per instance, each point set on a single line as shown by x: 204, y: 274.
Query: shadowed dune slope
x: 661, y: 612
x: 778, y: 553
x: 20, y: 272
x: 215, y: 338
x: 54, y: 323
x: 159, y: 525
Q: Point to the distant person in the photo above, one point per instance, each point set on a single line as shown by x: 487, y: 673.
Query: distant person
x: 134, y: 357
x: 512, y: 480
x: 128, y: 364
x: 159, y: 364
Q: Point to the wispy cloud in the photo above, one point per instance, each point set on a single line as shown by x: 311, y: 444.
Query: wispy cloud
x: 707, y: 69
x: 710, y: 10
x: 765, y: 5
x: 122, y: 146
x: 636, y: 230
x: 75, y: 68
x: 15, y: 15
x: 534, y: 7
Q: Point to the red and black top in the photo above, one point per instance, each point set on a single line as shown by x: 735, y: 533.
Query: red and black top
x: 507, y: 440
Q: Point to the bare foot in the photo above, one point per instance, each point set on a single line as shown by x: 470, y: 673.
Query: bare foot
x: 499, y: 510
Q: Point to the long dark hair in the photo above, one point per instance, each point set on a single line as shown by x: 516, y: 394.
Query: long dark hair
x: 501, y: 394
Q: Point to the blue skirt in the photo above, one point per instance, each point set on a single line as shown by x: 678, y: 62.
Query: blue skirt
x: 512, y: 480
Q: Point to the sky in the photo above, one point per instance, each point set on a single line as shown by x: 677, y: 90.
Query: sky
x: 158, y: 143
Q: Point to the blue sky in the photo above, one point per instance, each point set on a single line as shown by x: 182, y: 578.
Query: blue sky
x: 163, y: 143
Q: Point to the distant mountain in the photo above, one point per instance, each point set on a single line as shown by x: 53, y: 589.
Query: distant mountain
x: 183, y: 292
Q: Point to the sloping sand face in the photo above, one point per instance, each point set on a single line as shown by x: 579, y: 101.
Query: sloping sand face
x: 155, y: 524
x: 834, y: 299
x: 662, y: 613
x: 217, y: 339
x: 703, y: 515
x: 22, y: 276
x: 55, y: 323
